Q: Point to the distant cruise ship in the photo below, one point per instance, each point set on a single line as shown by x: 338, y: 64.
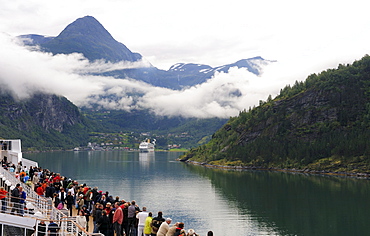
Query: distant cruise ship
x: 147, y: 146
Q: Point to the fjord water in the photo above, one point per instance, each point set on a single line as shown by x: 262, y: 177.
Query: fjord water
x: 230, y: 203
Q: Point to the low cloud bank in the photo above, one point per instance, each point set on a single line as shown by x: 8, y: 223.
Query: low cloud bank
x: 25, y: 72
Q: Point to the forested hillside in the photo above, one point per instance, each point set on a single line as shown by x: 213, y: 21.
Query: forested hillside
x: 43, y: 122
x: 189, y: 132
x: 321, y: 123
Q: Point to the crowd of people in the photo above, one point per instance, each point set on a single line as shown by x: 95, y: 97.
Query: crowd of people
x: 17, y: 194
x: 110, y: 216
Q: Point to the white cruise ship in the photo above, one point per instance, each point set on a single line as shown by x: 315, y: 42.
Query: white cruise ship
x: 147, y: 146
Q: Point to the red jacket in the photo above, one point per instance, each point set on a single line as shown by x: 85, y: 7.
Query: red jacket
x: 3, y: 193
x: 118, y: 216
x: 40, y: 191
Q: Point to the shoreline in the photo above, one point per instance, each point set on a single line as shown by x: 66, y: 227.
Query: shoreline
x: 301, y: 171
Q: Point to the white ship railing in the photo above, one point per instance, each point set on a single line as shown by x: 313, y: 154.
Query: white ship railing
x: 38, y: 209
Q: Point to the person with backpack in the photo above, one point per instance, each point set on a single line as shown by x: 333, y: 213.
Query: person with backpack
x: 156, y: 223
x: 180, y: 231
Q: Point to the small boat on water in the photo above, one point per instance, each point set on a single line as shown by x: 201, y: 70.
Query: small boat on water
x: 147, y: 146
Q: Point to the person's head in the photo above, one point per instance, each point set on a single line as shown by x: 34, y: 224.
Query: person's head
x: 210, y: 233
x: 191, y: 232
x: 168, y: 220
x: 181, y: 225
x: 104, y: 212
x: 150, y: 214
x: 160, y: 214
x: 108, y: 205
x: 81, y: 213
x: 144, y: 208
x: 133, y: 202
x: 116, y: 205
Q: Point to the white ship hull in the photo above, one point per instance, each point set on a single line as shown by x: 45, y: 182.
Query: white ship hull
x: 146, y: 146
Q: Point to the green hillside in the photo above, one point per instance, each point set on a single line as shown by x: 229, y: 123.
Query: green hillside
x: 43, y: 122
x: 319, y: 124
x: 189, y: 132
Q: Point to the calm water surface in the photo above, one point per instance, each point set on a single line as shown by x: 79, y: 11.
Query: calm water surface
x: 230, y: 203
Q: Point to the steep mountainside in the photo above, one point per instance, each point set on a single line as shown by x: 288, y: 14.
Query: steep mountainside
x: 322, y: 123
x: 87, y: 36
x: 43, y: 122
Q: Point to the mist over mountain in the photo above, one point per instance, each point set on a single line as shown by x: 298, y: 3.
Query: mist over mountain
x: 88, y: 37
x: 118, y: 90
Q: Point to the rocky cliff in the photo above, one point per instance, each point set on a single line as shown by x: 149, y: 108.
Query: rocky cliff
x: 43, y: 122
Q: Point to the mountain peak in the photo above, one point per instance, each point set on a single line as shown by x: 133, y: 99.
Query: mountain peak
x: 86, y: 26
x: 87, y: 36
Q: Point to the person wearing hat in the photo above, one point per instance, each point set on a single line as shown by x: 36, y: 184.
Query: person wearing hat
x: 191, y: 232
x: 80, y: 203
x: 165, y: 226
x: 108, y: 207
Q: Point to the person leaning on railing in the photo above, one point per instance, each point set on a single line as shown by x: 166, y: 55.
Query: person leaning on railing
x: 3, y: 195
x: 15, y: 199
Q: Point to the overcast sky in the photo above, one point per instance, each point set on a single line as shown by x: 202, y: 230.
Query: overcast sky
x: 304, y: 37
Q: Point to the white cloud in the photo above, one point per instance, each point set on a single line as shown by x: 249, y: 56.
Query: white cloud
x: 304, y: 37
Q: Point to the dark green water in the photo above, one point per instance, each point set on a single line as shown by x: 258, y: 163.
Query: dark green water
x: 226, y: 202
